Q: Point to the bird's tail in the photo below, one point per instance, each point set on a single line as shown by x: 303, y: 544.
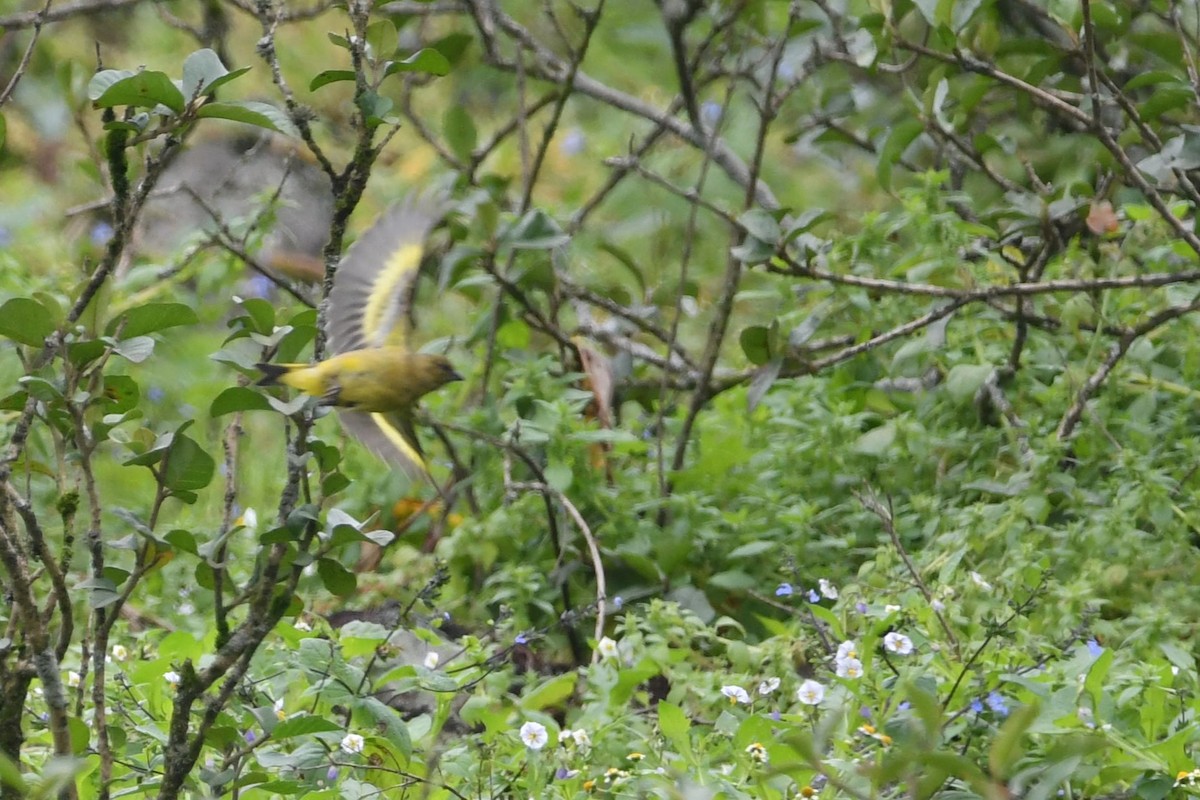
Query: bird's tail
x: 271, y: 373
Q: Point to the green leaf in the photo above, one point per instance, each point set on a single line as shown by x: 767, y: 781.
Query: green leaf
x: 11, y: 776
x: 755, y: 343
x: 387, y: 717
x: 1164, y: 99
x: 537, y: 230
x: 251, y: 112
x: 674, y: 724
x: 761, y: 225
x: 902, y: 135
x: 136, y: 349
x: 428, y: 61
x: 752, y: 250
x: 145, y: 89
x: 101, y: 592
x: 26, y: 321
x: 238, y: 398
x: 337, y: 579
x: 189, y: 467
x: 460, y: 132
x: 80, y: 734
x: 121, y: 394
x: 452, y: 46
x: 203, y: 73
x: 182, y: 540
x: 105, y: 79
x: 151, y: 317
x: 1094, y: 683
x: 374, y: 107
x: 3, y: 135
x: 1006, y: 749
x: 302, y: 726
x: 551, y: 693
x: 382, y: 38
x: 965, y: 380
x: 330, y: 76
x: 876, y: 441
x: 1150, y: 78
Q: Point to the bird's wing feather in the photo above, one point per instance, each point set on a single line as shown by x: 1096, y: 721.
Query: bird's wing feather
x: 370, y: 291
x: 389, y: 436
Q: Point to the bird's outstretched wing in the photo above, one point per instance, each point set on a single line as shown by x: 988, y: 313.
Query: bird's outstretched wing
x: 390, y: 436
x: 370, y: 291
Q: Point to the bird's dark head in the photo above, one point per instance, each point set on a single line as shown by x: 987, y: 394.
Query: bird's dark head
x: 439, y: 371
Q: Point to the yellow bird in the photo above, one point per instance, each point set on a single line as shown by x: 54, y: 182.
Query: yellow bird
x: 372, y: 376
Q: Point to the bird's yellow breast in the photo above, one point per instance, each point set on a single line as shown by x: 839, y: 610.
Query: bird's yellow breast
x: 376, y: 379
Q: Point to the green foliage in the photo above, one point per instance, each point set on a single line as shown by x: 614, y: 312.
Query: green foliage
x: 826, y: 432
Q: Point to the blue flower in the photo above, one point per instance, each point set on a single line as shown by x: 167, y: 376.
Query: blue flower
x: 977, y: 706
x: 710, y: 112
x: 1094, y: 647
x: 860, y: 607
x: 573, y: 142
x: 101, y: 232
x: 258, y: 286
x: 522, y: 638
x: 617, y: 602
x: 904, y: 706
x: 784, y: 590
x: 250, y: 737
x: 331, y: 774
x: 813, y: 597
x: 995, y: 701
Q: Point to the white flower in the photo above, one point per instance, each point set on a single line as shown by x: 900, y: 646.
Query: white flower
x: 937, y: 605
x: 302, y: 626
x: 534, y: 735
x: 607, y: 648
x: 757, y: 752
x: 73, y: 679
x: 736, y: 694
x: 432, y: 659
x: 280, y: 714
x: 726, y: 769
x: 828, y: 589
x: 849, y: 668
x: 353, y: 743
x: 810, y: 693
x: 980, y: 582
x: 564, y: 736
x: 172, y: 677
x: 847, y: 649
x: 119, y: 653
x: 891, y: 608
x: 581, y: 738
x: 248, y: 519
x: 768, y: 686
x: 898, y: 643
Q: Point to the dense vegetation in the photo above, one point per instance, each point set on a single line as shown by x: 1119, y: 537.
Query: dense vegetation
x: 827, y: 427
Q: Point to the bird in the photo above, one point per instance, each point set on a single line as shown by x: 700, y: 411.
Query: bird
x: 372, y: 376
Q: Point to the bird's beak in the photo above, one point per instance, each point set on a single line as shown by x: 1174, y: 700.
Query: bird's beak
x: 454, y: 376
